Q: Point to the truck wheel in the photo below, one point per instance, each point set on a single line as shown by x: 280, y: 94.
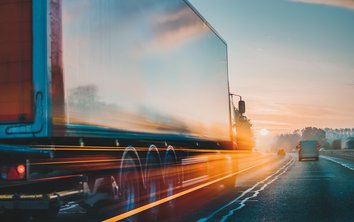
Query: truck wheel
x: 171, y: 183
x: 154, y: 180
x: 130, y: 185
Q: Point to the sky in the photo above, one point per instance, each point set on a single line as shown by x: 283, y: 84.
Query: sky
x: 291, y: 60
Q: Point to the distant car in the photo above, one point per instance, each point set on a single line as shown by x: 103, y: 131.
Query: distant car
x: 308, y: 149
x: 281, y: 152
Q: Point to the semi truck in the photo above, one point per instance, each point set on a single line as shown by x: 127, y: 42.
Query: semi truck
x: 108, y: 101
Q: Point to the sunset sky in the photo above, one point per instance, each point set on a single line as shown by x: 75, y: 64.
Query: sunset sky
x: 291, y: 60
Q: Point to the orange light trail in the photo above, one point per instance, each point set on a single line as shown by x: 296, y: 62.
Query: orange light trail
x: 120, y: 148
x: 166, y: 199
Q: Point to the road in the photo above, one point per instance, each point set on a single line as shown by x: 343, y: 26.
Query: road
x: 284, y: 189
x: 301, y: 191
x: 309, y: 191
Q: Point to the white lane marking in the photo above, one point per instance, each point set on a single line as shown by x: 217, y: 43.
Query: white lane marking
x: 242, y: 202
x: 335, y: 160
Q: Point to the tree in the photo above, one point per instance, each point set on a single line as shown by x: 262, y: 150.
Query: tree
x: 245, y: 136
x: 313, y: 133
x: 336, y: 144
x: 287, y: 141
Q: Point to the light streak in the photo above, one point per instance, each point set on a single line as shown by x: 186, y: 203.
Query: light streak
x: 120, y: 148
x: 77, y: 161
x: 166, y: 199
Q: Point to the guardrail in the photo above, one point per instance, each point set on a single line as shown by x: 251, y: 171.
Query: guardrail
x: 339, y: 153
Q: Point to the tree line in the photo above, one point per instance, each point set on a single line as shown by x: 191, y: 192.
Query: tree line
x: 289, y: 141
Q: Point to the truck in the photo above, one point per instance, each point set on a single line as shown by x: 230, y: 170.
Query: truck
x: 99, y: 97
x: 308, y: 149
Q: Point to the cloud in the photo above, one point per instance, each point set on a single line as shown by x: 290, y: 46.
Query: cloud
x: 349, y: 4
x: 177, y: 26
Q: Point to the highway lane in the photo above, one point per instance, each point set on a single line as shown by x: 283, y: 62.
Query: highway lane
x: 307, y: 191
x: 212, y: 205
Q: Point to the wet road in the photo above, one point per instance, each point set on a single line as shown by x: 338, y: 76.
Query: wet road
x: 283, y: 189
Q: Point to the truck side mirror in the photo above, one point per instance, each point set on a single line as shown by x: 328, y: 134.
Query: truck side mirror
x: 241, y: 106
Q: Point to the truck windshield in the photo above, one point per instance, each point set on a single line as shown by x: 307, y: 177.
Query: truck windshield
x: 16, y: 84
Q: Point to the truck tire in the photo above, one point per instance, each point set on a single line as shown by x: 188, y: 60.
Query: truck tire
x: 130, y: 180
x: 172, y: 181
x: 153, y: 181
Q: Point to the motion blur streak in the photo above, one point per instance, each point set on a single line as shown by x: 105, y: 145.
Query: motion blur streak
x: 78, y: 161
x: 121, y: 148
x: 164, y: 200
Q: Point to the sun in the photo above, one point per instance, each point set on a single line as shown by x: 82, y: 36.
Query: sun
x: 264, y: 132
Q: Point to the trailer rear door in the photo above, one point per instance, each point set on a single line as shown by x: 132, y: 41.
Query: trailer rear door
x: 16, y: 82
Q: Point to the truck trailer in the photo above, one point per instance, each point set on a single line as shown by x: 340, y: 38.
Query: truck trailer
x: 99, y: 97
x: 308, y: 149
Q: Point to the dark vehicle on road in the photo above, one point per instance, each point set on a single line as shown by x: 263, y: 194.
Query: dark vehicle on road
x: 308, y: 149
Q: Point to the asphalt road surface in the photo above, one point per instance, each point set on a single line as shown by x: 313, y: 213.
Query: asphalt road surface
x: 282, y: 190
x: 301, y: 191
